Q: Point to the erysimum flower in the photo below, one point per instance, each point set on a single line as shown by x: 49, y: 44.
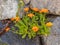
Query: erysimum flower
x: 44, y: 10
x: 26, y: 9
x: 30, y: 15
x: 7, y: 29
x: 49, y: 24
x: 35, y: 28
x: 35, y: 9
x: 15, y: 19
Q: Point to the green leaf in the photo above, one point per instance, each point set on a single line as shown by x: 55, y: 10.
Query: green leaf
x: 29, y: 35
x: 23, y: 36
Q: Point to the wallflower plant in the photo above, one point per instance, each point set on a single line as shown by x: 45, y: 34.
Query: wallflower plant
x: 33, y: 23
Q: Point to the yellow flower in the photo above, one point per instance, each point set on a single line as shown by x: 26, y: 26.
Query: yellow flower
x: 7, y: 29
x: 26, y: 9
x: 35, y: 9
x: 44, y: 10
x: 35, y: 28
x: 30, y: 15
x: 49, y: 24
x: 17, y: 18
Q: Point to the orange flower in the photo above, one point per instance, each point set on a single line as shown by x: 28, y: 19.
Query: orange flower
x: 12, y: 19
x: 35, y: 9
x: 43, y: 10
x: 26, y: 9
x: 17, y: 18
x: 35, y: 28
x: 30, y: 15
x: 49, y: 24
x: 7, y: 29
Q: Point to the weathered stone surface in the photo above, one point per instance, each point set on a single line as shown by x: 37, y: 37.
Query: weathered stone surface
x: 54, y: 37
x: 3, y: 43
x: 13, y: 39
x: 52, y: 5
x: 8, y: 8
x: 26, y: 1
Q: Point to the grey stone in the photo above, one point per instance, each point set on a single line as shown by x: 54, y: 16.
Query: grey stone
x: 13, y: 39
x: 26, y: 1
x: 52, y: 5
x: 54, y: 37
x: 8, y: 8
x: 3, y: 43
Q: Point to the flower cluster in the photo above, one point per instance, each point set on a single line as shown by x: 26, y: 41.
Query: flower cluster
x: 33, y: 23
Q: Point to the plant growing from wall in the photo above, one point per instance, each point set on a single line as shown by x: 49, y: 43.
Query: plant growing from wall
x: 33, y: 23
